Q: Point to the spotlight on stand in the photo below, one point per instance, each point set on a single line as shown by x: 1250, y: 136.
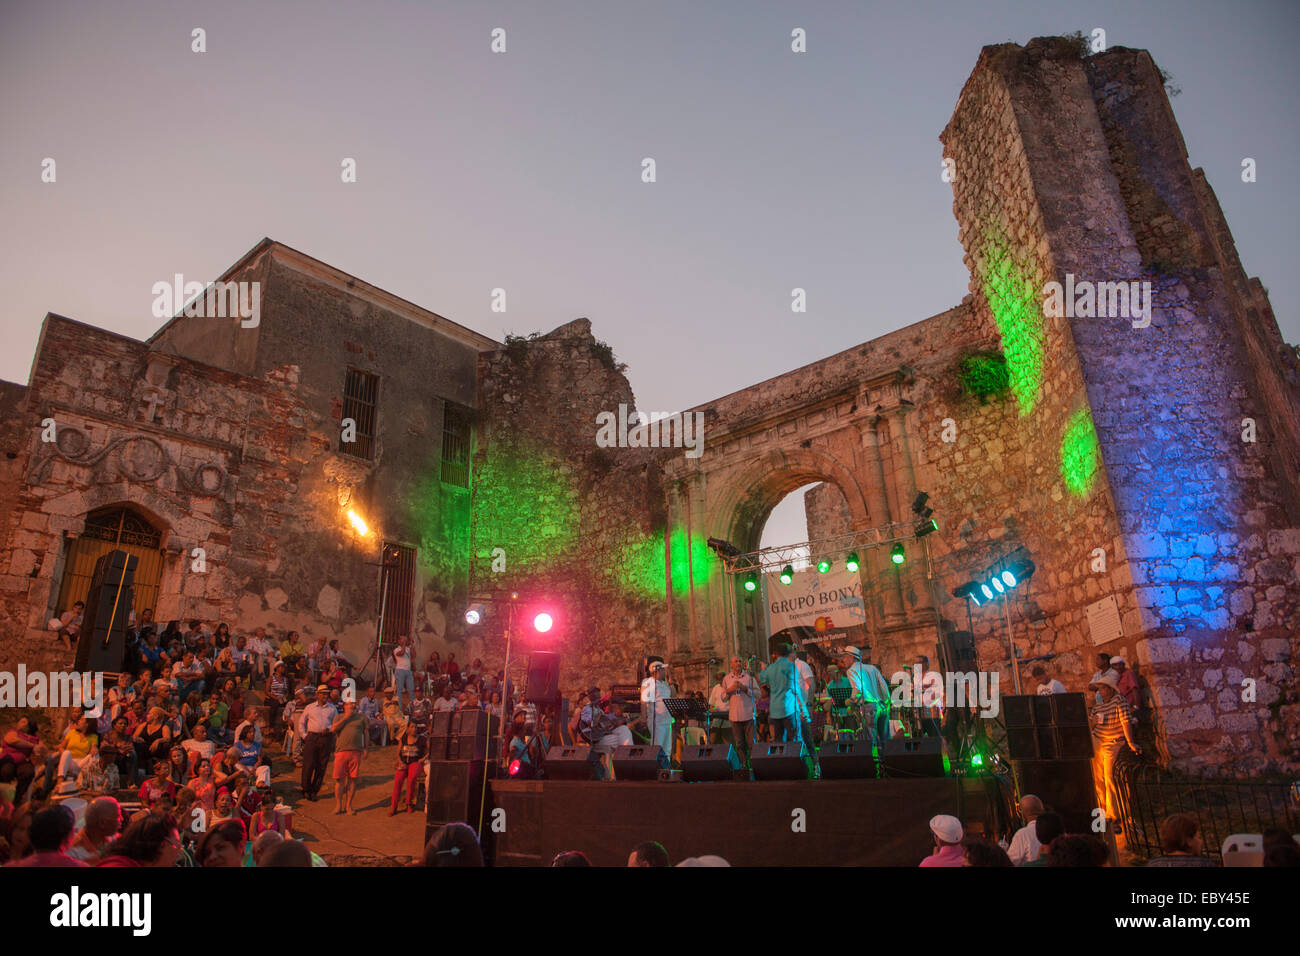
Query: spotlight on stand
x: 787, y: 574
x: 851, y: 562
x: 474, y: 614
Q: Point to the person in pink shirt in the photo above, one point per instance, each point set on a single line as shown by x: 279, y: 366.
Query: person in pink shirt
x: 1128, y: 684
x: 947, y: 832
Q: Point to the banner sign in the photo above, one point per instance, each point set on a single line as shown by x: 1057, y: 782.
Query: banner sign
x: 813, y: 599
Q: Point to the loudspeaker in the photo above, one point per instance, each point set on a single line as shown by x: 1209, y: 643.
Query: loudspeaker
x: 1018, y: 710
x: 1044, y: 712
x: 439, y: 746
x: 1069, y: 710
x: 639, y: 762
x: 710, y: 762
x: 441, y: 725
x: 102, y: 644
x: 571, y: 763
x: 779, y: 760
x: 847, y: 760
x: 543, y: 683
x: 1073, y: 742
x: 473, y: 747
x: 474, y: 723
x: 961, y: 647
x: 456, y: 792
x: 1065, y: 786
x: 1022, y: 743
x: 914, y: 757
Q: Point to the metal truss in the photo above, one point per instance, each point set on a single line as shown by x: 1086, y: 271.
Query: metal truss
x: 773, y: 559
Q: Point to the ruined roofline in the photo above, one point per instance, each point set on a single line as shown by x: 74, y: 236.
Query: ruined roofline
x: 877, y: 342
x: 350, y: 284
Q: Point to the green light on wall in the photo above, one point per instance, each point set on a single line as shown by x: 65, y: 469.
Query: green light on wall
x: 523, y: 505
x: 1080, y: 453
x: 1017, y: 311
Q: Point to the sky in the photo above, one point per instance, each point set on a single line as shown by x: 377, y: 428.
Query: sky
x: 522, y: 170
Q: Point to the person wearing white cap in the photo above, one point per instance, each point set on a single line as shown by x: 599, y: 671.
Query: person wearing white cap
x: 947, y: 833
x: 1127, y: 683
x: 1103, y: 667
x: 869, y: 688
x: 1112, y: 728
x: 654, y: 691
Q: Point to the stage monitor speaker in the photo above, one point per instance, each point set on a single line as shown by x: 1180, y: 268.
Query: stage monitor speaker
x: 571, y: 763
x: 779, y: 760
x: 1065, y: 786
x: 442, y: 720
x: 1069, y: 710
x: 439, y: 746
x: 102, y: 644
x: 709, y: 762
x: 847, y: 760
x: 1018, y: 710
x: 455, y: 792
x: 543, y: 683
x: 639, y: 762
x: 914, y: 757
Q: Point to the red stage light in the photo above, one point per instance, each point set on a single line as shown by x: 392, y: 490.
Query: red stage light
x: 514, y: 768
x: 542, y: 622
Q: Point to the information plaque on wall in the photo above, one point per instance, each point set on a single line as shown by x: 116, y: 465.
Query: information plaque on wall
x: 1103, y: 620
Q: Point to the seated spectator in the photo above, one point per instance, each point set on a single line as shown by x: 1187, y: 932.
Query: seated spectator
x: 216, y: 714
x: 225, y: 808
x: 50, y: 833
x: 1073, y: 849
x: 1048, y: 825
x: 393, y: 715
x: 149, y: 840
x: 287, y: 853
x: 247, y: 751
x: 1024, y: 845
x: 649, y: 853
x: 445, y: 699
x: 199, y: 747
x: 153, y: 738
x: 946, y: 831
x: 369, y: 706
x: 262, y: 843
x: 222, y: 846
x: 16, y: 750
x: 454, y: 844
x: 706, y: 860
x: 1281, y: 854
x: 266, y: 819
x: 99, y: 775
x: 158, y: 785
x: 980, y: 852
x: 75, y: 746
x: 103, y: 822
x: 1180, y: 839
x: 254, y: 717
x: 15, y: 836
x: 226, y: 769
x: 571, y: 858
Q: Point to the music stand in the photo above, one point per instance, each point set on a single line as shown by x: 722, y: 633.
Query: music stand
x: 841, y: 697
x: 682, y: 709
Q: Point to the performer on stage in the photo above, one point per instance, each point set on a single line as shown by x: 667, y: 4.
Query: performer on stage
x: 741, y: 693
x: 654, y: 691
x: 787, y: 706
x: 869, y: 688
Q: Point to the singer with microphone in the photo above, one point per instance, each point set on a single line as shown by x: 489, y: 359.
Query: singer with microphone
x: 741, y: 693
x: 654, y: 691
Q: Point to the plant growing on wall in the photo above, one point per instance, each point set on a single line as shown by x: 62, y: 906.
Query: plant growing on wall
x: 984, y: 375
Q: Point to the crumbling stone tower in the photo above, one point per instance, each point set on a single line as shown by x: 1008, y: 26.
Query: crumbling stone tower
x: 1179, y: 441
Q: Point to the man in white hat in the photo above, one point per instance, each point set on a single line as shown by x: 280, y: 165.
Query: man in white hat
x: 870, y: 689
x: 947, y: 833
x: 1112, y: 728
x: 1127, y: 683
x: 654, y: 691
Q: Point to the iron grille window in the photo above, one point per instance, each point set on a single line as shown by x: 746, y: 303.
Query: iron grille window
x: 360, y: 393
x: 400, y: 597
x: 455, y: 446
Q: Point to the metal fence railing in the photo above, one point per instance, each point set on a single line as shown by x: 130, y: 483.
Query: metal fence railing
x: 1150, y: 793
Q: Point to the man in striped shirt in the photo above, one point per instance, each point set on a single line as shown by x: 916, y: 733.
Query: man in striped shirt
x: 1113, y: 726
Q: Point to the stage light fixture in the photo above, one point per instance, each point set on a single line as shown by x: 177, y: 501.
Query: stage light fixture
x: 977, y: 760
x: 897, y: 555
x: 474, y: 613
x: 851, y: 562
x: 918, y: 503
x: 1009, y: 578
x: 787, y: 574
x: 751, y: 582
x: 542, y: 622
x: 998, y: 586
x: 824, y: 565
x: 970, y: 590
x: 926, y: 527
x: 987, y: 592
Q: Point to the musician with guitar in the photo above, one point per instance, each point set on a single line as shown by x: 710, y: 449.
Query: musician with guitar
x: 603, y: 731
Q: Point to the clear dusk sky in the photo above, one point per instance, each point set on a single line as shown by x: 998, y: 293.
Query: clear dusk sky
x: 522, y: 170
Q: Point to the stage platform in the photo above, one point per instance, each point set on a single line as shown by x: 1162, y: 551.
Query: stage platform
x: 882, y: 822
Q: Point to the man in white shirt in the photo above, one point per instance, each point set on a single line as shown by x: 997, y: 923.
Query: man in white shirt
x: 445, y: 701
x: 741, y: 692
x: 403, y: 675
x: 717, y: 702
x: 315, y: 727
x: 1046, y: 685
x: 869, y: 689
x: 654, y: 691
x: 1024, y: 845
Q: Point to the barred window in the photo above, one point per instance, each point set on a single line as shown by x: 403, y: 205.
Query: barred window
x: 360, y: 393
x: 455, y: 446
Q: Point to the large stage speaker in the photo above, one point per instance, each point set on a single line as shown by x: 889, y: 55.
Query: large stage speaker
x: 475, y: 723
x: 1047, y: 727
x: 1069, y: 710
x: 455, y: 792
x: 543, y: 683
x: 960, y: 647
x: 709, y: 762
x: 473, y: 747
x: 779, y: 760
x: 441, y: 724
x: 847, y: 760
x: 1018, y: 710
x: 913, y: 757
x: 102, y: 644
x: 639, y: 762
x: 1065, y: 786
x: 571, y: 763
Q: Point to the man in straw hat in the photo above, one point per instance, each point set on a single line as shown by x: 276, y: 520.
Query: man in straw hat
x: 1112, y: 728
x: 869, y: 689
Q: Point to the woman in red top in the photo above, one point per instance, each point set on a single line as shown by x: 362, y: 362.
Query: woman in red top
x: 204, y: 785
x: 266, y: 818
x: 157, y: 785
x: 453, y: 669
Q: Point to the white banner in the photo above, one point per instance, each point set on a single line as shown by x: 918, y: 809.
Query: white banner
x: 834, y: 598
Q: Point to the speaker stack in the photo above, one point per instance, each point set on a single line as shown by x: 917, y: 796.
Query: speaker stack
x: 1050, y: 745
x: 102, y: 644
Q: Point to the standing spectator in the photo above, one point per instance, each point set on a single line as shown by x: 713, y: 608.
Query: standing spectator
x: 411, y: 751
x: 1024, y: 845
x: 352, y: 732
x: 432, y: 670
x: 403, y: 678
x: 103, y: 823
x: 1046, y: 684
x: 947, y: 834
x: 50, y: 833
x: 314, y: 728
x: 1103, y: 668
x: 1112, y: 728
x: 1180, y: 839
